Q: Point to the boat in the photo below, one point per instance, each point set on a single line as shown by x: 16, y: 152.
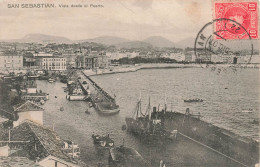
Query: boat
x: 42, y: 102
x: 103, y: 141
x: 106, y: 109
x: 147, y: 127
x: 50, y: 80
x: 75, y: 92
x: 125, y: 157
x: 247, y: 110
x: 255, y: 121
x: 71, y: 149
x: 193, y: 100
x: 63, y: 78
x: 190, y: 126
x: 87, y: 112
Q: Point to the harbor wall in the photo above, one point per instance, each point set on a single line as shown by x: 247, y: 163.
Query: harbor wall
x: 134, y: 68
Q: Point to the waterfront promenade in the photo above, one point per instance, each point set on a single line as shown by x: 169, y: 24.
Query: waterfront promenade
x: 134, y: 68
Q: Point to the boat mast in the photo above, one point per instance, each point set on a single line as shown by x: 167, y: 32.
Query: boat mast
x: 149, y: 114
x: 149, y: 108
x: 165, y: 107
x: 138, y: 106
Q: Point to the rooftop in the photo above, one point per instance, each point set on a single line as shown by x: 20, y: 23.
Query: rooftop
x: 2, y: 119
x: 43, y: 141
x: 27, y: 106
x: 17, y: 162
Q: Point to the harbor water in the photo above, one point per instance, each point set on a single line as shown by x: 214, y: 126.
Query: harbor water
x: 231, y: 101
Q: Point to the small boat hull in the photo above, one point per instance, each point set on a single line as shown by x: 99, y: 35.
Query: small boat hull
x: 76, y: 97
x: 103, y: 141
x: 106, y: 112
x: 125, y: 156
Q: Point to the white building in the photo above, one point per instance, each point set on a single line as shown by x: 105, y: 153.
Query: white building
x: 42, y: 54
x: 53, y: 63
x: 216, y: 58
x: 177, y: 56
x: 28, y: 111
x: 117, y: 55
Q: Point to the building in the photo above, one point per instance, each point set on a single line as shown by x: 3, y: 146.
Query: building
x: 11, y: 60
x: 42, y: 54
x: 29, y: 92
x: 44, y: 145
x: 190, y: 56
x: 177, y: 56
x: 29, y: 60
x: 54, y: 63
x: 216, y: 58
x: 28, y: 111
x: 93, y: 62
x: 203, y: 58
x: 228, y: 58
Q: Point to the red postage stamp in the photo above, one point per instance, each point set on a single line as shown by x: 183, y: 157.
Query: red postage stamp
x: 236, y: 19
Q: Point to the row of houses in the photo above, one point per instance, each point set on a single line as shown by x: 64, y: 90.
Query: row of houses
x: 101, y: 60
x: 214, y: 58
x: 54, y: 62
x: 16, y: 60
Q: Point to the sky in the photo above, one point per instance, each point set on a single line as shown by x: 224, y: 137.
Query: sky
x: 131, y: 19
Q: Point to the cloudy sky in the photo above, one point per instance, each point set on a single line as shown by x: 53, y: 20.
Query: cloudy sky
x: 131, y: 19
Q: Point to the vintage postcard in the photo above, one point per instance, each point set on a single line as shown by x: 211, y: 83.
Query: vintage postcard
x: 129, y: 83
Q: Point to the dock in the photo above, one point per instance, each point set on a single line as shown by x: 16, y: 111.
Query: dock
x: 106, y: 105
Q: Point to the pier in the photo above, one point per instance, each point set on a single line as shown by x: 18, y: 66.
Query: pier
x: 107, y: 105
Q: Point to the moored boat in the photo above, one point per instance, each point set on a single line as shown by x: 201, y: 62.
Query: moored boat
x: 240, y: 149
x: 247, y: 110
x: 193, y: 100
x: 125, y: 157
x: 106, y: 109
x: 42, y: 102
x: 71, y: 149
x: 103, y: 141
x: 51, y: 80
x: 147, y: 127
x: 87, y: 112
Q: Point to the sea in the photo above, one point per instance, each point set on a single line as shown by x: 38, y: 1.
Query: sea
x: 230, y: 100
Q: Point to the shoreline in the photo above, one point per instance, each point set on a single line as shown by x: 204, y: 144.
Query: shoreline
x: 134, y: 68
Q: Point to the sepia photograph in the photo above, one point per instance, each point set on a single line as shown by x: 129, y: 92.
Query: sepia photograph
x: 129, y: 83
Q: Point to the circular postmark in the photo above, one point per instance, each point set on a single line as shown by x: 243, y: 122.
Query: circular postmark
x: 211, y: 47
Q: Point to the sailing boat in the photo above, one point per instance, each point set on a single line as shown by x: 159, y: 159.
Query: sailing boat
x: 146, y: 127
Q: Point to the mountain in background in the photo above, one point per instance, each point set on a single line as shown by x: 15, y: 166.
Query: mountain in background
x: 39, y: 38
x: 158, y: 41
x: 106, y: 40
x: 153, y: 41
